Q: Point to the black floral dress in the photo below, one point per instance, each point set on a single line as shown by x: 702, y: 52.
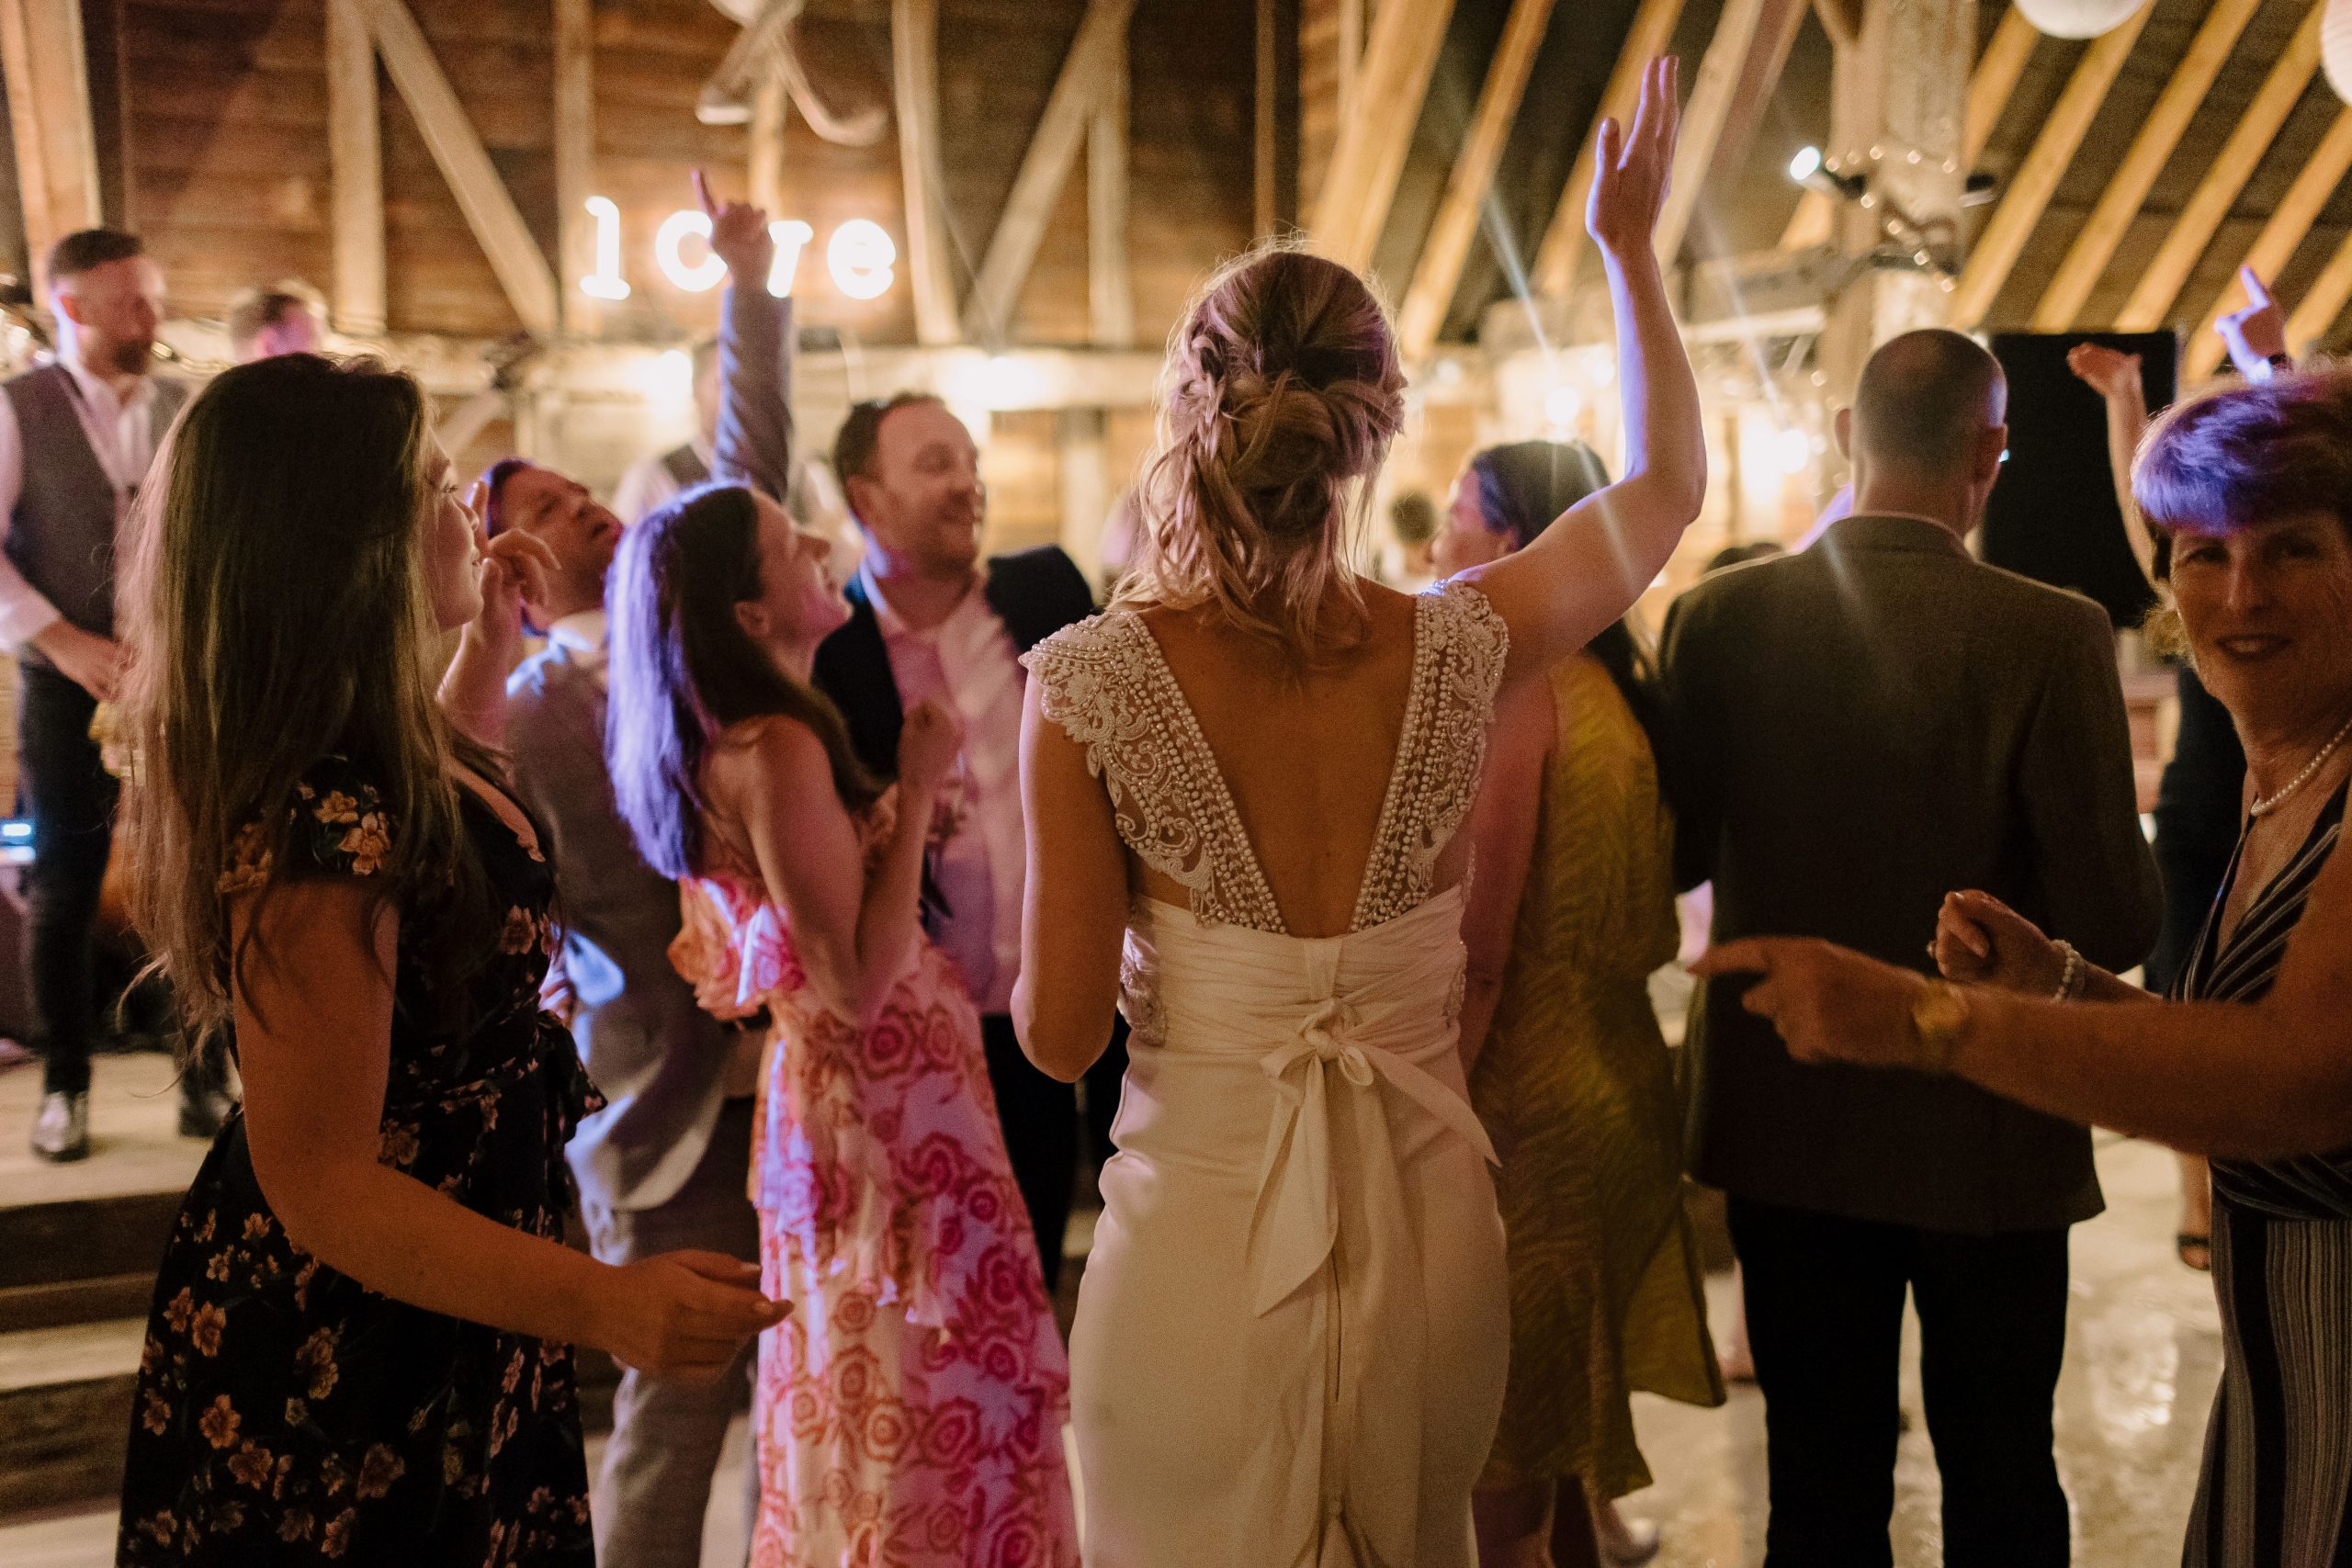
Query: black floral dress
x: 287, y: 1413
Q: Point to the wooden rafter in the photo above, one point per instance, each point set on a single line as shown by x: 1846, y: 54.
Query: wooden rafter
x: 2036, y: 180
x: 2168, y: 271
x: 2324, y: 301
x: 1704, y: 114
x: 1751, y: 99
x: 575, y: 158
x: 2093, y: 248
x: 1264, y: 132
x: 1377, y: 129
x: 1556, y: 258
x: 1109, y: 287
x: 48, y: 116
x: 498, y: 227
x: 355, y: 159
x: 914, y: 70
x: 1995, y: 78
x: 2276, y: 246
x: 1448, y: 245
x: 771, y: 116
x: 1096, y: 55
x: 1841, y: 20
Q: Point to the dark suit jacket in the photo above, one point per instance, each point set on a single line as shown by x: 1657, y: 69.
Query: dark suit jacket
x: 1034, y: 592
x: 1848, y: 734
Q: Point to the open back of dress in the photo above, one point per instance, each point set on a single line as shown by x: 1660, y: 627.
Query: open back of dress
x: 1290, y: 1338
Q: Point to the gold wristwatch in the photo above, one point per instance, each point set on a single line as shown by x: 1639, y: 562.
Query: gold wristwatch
x: 1938, y: 1014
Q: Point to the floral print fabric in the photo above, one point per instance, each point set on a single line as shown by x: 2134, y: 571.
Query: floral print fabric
x: 910, y: 1412
x: 286, y: 1414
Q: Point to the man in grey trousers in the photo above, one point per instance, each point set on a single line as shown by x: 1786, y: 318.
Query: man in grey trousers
x: 664, y: 1165
x: 1849, y: 734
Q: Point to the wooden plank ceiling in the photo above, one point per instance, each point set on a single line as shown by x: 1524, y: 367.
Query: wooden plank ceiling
x: 2198, y: 134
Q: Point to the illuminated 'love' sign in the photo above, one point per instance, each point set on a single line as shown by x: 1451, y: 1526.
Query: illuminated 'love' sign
x: 861, y: 255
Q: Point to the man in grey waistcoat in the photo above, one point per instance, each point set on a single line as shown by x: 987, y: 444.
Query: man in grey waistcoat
x: 76, y: 437
x: 664, y: 1165
x: 1849, y: 734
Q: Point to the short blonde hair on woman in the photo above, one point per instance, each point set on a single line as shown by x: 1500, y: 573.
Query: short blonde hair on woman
x: 1280, y: 396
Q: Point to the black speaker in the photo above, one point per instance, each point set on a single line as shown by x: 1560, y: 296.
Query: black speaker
x: 2053, y: 515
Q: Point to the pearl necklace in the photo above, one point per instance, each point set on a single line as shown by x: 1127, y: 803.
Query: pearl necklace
x: 2264, y: 808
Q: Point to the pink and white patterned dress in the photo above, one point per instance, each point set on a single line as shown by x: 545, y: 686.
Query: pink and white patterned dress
x: 910, y: 1412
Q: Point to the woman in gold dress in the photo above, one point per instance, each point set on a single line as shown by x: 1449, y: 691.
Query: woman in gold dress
x: 1571, y: 909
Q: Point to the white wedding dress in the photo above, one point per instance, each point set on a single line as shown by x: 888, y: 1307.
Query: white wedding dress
x: 1291, y: 1337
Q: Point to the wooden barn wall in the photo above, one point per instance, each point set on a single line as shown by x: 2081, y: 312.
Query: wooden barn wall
x: 227, y: 134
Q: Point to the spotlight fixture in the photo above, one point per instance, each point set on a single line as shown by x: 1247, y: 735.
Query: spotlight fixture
x: 1979, y: 188
x: 1809, y: 170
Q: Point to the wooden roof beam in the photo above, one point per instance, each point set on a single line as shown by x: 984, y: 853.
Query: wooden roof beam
x: 1995, y: 78
x: 1704, y: 114
x: 522, y: 272
x: 2036, y: 181
x: 355, y: 164
x: 914, y: 73
x: 2276, y: 246
x: 1556, y: 258
x: 2093, y: 248
x: 2194, y: 229
x: 1097, y: 55
x: 1110, y: 287
x: 2324, y: 301
x: 48, y: 76
x: 1448, y: 245
x: 1384, y: 103
x: 575, y: 160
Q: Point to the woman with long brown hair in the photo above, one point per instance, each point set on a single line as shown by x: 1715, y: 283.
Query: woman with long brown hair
x: 1243, y: 787
x: 360, y: 1346
x: 912, y: 1412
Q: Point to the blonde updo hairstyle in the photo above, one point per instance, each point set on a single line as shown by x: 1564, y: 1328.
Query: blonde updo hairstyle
x: 1281, y: 394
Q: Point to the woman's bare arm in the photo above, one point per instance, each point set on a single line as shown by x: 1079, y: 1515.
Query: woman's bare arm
x: 1587, y: 569
x: 1502, y: 829
x: 313, y: 1012
x: 1074, y: 908
x: 853, y: 928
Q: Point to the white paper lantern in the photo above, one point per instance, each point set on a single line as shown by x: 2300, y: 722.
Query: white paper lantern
x: 2081, y: 19
x: 2336, y: 46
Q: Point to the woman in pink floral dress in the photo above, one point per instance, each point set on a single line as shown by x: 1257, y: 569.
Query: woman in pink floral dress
x: 910, y: 1410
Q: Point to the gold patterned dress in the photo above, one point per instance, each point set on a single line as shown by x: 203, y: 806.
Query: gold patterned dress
x: 1576, y: 1087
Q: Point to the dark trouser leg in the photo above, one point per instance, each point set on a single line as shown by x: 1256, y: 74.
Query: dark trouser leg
x: 1040, y: 1121
x: 667, y: 1435
x: 1992, y: 1333
x: 71, y: 798
x: 1825, y: 1318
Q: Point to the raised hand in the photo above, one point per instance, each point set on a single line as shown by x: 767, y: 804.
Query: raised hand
x: 1632, y: 169
x: 1981, y: 940
x: 2110, y: 372
x: 2256, y: 331
x: 739, y: 234
x: 515, y: 571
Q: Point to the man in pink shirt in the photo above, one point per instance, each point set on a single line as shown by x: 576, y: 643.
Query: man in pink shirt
x: 930, y: 620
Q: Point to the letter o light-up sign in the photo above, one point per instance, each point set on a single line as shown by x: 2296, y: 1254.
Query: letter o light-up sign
x: 860, y: 254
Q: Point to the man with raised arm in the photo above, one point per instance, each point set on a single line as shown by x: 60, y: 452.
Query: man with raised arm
x: 664, y: 1165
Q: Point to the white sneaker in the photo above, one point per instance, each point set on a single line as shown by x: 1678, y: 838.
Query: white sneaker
x: 61, y: 1131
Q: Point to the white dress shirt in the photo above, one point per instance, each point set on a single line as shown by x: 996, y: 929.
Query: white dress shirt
x: 967, y: 664
x: 122, y: 435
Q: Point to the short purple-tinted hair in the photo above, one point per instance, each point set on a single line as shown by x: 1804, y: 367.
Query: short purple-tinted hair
x: 2248, y: 455
x: 494, y: 490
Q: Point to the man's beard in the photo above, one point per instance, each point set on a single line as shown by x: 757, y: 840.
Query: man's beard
x: 132, y: 358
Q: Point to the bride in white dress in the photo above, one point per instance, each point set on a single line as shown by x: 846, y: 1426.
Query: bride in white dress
x: 1242, y: 786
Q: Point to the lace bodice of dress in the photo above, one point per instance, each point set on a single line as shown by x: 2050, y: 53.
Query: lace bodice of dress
x: 1104, y: 681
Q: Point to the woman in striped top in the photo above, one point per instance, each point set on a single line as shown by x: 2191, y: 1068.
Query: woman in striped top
x: 2250, y: 490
